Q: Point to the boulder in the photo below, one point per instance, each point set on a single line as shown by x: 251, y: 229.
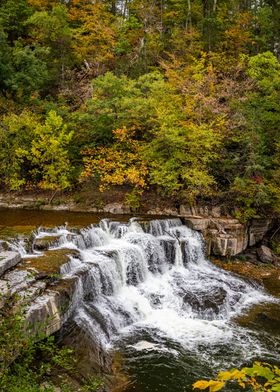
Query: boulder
x: 206, y: 304
x: 257, y: 230
x: 4, y: 246
x: 265, y: 255
x: 116, y: 208
x: 46, y: 242
x: 8, y: 259
x: 197, y: 223
x: 163, y: 211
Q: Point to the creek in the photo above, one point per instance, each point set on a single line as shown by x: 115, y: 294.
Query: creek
x: 151, y: 296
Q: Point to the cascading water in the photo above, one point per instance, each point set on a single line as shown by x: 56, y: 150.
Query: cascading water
x: 150, y: 293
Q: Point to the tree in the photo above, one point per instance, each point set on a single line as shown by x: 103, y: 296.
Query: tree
x: 119, y: 164
x: 16, y: 132
x: 93, y: 31
x: 179, y: 158
x: 13, y: 16
x: 119, y: 102
x: 50, y: 29
x: 38, y: 153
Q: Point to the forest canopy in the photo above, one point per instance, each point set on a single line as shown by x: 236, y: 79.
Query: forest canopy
x: 178, y: 96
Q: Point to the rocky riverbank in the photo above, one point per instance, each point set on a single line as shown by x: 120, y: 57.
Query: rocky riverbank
x: 224, y: 235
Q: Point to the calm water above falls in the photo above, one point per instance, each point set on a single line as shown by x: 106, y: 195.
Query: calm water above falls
x: 151, y: 295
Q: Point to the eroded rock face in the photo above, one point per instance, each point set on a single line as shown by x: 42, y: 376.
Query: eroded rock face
x: 8, y: 259
x: 163, y: 211
x: 265, y: 255
x: 202, y: 211
x: 257, y: 230
x: 49, y: 311
x: 36, y: 284
x: 227, y: 236
x: 91, y: 357
x: 116, y: 208
x: 45, y: 243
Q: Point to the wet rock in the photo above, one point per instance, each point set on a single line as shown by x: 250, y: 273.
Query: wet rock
x: 91, y: 356
x: 169, y: 247
x: 8, y: 259
x: 224, y: 236
x: 117, y: 208
x: 197, y: 223
x: 51, y: 262
x: 45, y: 243
x: 265, y: 255
x: 257, y: 230
x: 4, y: 246
x: 205, y: 304
x: 163, y: 211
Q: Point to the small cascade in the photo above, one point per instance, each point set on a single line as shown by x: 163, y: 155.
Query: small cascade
x: 152, y: 276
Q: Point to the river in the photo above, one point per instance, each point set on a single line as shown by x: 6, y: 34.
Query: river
x: 153, y: 297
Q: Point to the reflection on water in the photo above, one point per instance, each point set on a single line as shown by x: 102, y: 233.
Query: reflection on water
x: 27, y: 219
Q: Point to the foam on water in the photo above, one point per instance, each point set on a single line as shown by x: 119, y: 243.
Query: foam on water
x: 153, y: 277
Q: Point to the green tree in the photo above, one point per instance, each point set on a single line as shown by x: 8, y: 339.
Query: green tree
x: 51, y: 30
x: 35, y: 154
x: 16, y: 132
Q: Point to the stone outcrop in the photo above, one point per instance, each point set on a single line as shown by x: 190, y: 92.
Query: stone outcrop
x: 116, y: 208
x: 51, y: 309
x: 35, y: 285
x: 224, y: 235
x: 257, y: 230
x: 265, y: 255
x: 8, y: 259
x: 48, y: 299
x: 45, y: 243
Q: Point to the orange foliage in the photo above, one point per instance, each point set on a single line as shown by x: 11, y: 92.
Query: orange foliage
x: 239, y: 36
x: 94, y: 35
x: 118, y: 164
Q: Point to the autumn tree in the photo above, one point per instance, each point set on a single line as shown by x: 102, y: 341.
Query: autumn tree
x: 38, y: 155
x: 119, y: 164
x: 94, y: 35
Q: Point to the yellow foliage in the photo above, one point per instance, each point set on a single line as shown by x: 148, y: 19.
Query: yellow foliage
x: 94, y: 36
x: 261, y: 377
x: 118, y: 164
x: 212, y: 385
x: 201, y: 384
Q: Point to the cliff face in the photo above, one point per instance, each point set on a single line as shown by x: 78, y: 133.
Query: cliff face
x: 224, y: 235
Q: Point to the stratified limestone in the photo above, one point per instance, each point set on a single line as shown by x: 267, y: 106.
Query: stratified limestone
x: 8, y: 259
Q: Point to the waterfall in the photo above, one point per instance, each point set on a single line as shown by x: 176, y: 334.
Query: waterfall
x: 151, y: 278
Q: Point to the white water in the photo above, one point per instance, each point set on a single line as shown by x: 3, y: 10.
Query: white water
x: 154, y: 277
